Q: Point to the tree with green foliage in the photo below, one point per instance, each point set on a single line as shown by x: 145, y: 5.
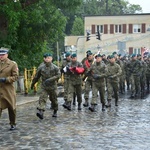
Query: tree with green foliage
x: 78, y: 27
x: 30, y: 28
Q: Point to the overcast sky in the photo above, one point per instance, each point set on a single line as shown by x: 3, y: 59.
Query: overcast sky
x: 145, y: 4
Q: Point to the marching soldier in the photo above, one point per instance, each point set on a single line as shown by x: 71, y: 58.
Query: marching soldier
x: 143, y: 74
x: 148, y: 74
x: 99, y: 72
x: 75, y: 70
x: 66, y: 75
x: 114, y: 71
x: 49, y: 73
x: 87, y: 77
x: 134, y: 67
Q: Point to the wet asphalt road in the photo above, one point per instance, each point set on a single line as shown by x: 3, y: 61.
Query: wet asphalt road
x: 126, y: 127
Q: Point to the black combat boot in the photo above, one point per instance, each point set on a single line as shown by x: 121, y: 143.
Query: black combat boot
x: 103, y: 107
x: 65, y: 104
x: 12, y: 127
x: 109, y: 103
x: 40, y: 113
x: 116, y: 102
x: 92, y: 108
x: 54, y: 113
x: 74, y: 99
x: 132, y: 96
x: 79, y: 106
x: 86, y: 104
x: 68, y: 105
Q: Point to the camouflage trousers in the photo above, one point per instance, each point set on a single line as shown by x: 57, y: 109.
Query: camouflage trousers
x: 66, y: 85
x: 135, y: 84
x: 52, y: 93
x: 74, y: 88
x: 98, y: 87
x: 88, y: 87
x: 112, y: 88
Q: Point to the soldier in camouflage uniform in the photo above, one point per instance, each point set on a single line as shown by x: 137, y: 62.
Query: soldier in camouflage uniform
x: 148, y: 74
x: 122, y: 76
x: 49, y: 74
x: 114, y: 71
x: 143, y: 74
x: 99, y: 72
x: 134, y: 67
x: 75, y: 70
x: 87, y: 78
x: 66, y: 75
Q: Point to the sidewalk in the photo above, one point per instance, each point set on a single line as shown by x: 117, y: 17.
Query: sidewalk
x: 23, y: 99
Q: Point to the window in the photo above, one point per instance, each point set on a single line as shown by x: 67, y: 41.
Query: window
x: 100, y: 28
x: 118, y: 28
x: 137, y: 51
x: 136, y: 28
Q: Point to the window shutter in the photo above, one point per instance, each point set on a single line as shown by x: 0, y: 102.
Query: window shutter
x: 124, y: 28
x: 93, y: 29
x: 130, y: 50
x: 111, y: 29
x: 130, y: 28
x: 105, y: 28
x: 143, y: 28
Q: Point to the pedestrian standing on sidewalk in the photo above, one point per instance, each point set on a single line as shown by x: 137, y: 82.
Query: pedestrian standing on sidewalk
x: 49, y: 74
x: 8, y: 75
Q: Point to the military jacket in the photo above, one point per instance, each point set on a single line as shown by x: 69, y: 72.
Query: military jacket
x: 100, y: 69
x: 74, y: 77
x: 8, y: 70
x: 64, y: 64
x: 134, y: 67
x: 148, y: 67
x: 45, y: 71
x: 114, y: 70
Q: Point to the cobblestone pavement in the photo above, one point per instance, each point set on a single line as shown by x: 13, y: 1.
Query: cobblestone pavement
x: 126, y: 127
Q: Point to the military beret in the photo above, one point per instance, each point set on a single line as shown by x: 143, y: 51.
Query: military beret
x: 89, y: 51
x: 119, y: 55
x: 98, y: 55
x: 111, y: 56
x: 3, y: 51
x: 133, y: 55
x: 47, y: 54
x: 103, y: 55
x: 67, y: 54
x: 114, y: 53
x: 73, y: 55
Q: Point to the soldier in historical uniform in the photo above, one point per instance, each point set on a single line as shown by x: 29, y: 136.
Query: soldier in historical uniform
x: 114, y: 72
x: 134, y: 67
x: 87, y: 78
x: 66, y: 75
x: 98, y: 72
x: 49, y: 73
x: 75, y: 70
x: 8, y: 75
